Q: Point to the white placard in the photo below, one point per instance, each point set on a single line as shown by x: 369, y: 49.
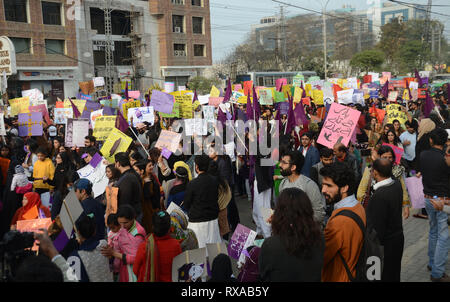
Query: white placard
x: 197, y: 126
x: 203, y: 99
x: 141, y: 114
x: 62, y: 114
x: 71, y: 209
x: 99, y: 81
x: 169, y: 87
x: 413, y: 85
x: 94, y: 115
x: 345, y: 96
x: 34, y: 94
x: 375, y: 76
x: 97, y: 177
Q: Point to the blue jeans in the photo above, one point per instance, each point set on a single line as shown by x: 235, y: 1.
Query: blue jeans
x: 437, y: 240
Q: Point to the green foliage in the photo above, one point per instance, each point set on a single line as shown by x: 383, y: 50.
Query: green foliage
x: 202, y: 85
x: 368, y: 60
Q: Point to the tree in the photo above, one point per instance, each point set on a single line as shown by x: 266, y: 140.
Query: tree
x: 368, y: 60
x: 203, y: 85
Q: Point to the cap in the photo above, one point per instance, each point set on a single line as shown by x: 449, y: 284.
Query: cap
x: 52, y: 131
x: 83, y: 184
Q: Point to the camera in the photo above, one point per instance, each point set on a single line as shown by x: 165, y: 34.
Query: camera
x: 14, y: 248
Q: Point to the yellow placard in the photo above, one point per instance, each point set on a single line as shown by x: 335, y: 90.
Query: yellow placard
x: 78, y: 103
x: 186, y: 106
x: 20, y: 105
x: 103, y: 126
x: 317, y: 97
x: 308, y: 90
x: 298, y: 94
x: 110, y: 142
x: 406, y: 94
x: 128, y: 105
x: 287, y: 90
x: 215, y: 93
x: 394, y: 112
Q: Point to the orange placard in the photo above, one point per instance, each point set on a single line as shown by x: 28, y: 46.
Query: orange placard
x: 34, y: 225
x: 87, y: 87
x: 59, y: 104
x: 422, y: 93
x: 306, y: 101
x: 111, y: 201
x: 248, y: 87
x: 31, y: 214
x: 321, y: 112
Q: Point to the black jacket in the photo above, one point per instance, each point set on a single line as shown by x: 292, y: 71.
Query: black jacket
x: 92, y: 206
x: 201, y: 198
x: 130, y: 190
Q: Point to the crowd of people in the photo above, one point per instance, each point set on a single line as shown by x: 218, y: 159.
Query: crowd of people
x: 311, y: 187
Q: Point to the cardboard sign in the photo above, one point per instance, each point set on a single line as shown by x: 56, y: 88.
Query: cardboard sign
x: 162, y: 102
x: 116, y: 142
x: 398, y: 152
x: 99, y: 81
x: 97, y: 176
x: 215, y: 93
x: 242, y: 238
x: 62, y: 114
x: 213, y: 101
x: 175, y: 112
x: 94, y: 116
x: 392, y: 96
x: 141, y: 114
x: 19, y: 105
x: 185, y: 102
x: 395, y: 112
x: 339, y: 125
x: 265, y: 97
x: 189, y: 266
x: 414, y: 186
x: 76, y: 131
x: 345, y: 96
x: 169, y: 140
x: 103, y: 127
x: 71, y: 210
x: 30, y: 124
x: 78, y: 103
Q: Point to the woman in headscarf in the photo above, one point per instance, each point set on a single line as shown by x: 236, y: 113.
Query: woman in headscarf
x: 222, y: 270
x: 176, y: 188
x: 179, y: 231
x: 32, y: 208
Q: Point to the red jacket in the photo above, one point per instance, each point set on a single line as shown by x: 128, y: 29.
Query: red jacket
x: 167, y: 249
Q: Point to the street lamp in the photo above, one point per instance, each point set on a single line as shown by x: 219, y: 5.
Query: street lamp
x: 324, y: 7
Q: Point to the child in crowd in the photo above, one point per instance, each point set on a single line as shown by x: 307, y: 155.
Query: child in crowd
x: 20, y: 183
x: 114, y: 227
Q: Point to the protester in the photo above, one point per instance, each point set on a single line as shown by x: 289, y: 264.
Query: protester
x: 178, y: 186
x: 43, y: 170
x: 179, y: 230
x: 20, y: 183
x: 326, y: 158
x: 309, y: 152
x: 294, y: 253
x: 384, y: 214
x: 343, y: 237
x: 31, y: 158
x: 409, y: 140
x: 342, y: 155
x: 32, y: 208
x: 221, y: 270
x: 113, y: 241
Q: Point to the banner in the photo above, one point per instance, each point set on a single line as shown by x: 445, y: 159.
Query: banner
x: 103, y: 126
x: 339, y: 125
x: 116, y: 142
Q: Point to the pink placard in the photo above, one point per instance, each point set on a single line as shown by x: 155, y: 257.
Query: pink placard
x: 134, y: 94
x: 237, y: 87
x: 398, y: 152
x: 415, y: 191
x: 339, y: 125
x: 280, y: 82
x: 215, y: 101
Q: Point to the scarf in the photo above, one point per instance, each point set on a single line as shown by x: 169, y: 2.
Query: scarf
x: 32, y: 207
x: 152, y: 256
x: 426, y: 125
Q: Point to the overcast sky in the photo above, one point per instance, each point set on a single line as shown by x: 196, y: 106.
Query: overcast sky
x: 231, y: 20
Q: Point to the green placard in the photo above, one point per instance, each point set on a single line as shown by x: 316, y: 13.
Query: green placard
x: 175, y: 112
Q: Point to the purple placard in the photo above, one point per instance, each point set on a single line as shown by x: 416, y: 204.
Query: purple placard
x: 284, y: 108
x: 96, y: 159
x: 109, y: 111
x: 237, y: 241
x: 89, y: 108
x: 162, y: 102
x: 30, y: 124
x: 166, y: 153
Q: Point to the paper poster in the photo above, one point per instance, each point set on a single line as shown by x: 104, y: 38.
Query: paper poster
x: 97, y: 176
x: 208, y: 113
x: 387, y: 75
x: 392, y: 97
x: 71, y: 210
x: 111, y: 194
x: 345, y: 96
x: 128, y: 105
x: 358, y: 97
x: 19, y: 105
x: 134, y: 94
x: 141, y: 114
x: 414, y: 186
x: 116, y: 142
x: 76, y: 131
x: 189, y: 266
x: 162, y: 102
x: 99, y: 81
x: 375, y: 76
x: 175, y: 112
x: 185, y: 102
x: 237, y: 87
x: 203, y: 99
x: 103, y: 126
x: 169, y: 87
x: 279, y: 97
x: 113, y: 102
x: 284, y: 108
x: 265, y: 97
x: 169, y: 140
x: 242, y: 238
x: 215, y: 93
x: 298, y: 80
x: 339, y: 125
x: 30, y: 124
x: 213, y: 101
x: 352, y: 83
x: 317, y: 96
x: 413, y: 85
x: 94, y: 115
x: 197, y: 126
x: 248, y: 85
x: 62, y: 114
x: 33, y: 94
x: 395, y: 112
x: 298, y: 92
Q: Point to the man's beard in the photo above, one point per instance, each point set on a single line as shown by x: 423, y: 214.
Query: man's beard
x: 286, y: 172
x: 333, y: 200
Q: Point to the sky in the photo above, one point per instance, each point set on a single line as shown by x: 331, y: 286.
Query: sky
x: 231, y: 20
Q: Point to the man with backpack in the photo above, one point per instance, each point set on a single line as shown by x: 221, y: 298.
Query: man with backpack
x: 343, y: 235
x: 384, y: 215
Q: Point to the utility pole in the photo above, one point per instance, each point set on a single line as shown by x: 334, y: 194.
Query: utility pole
x: 283, y: 29
x: 109, y: 54
x: 324, y: 30
x: 426, y: 36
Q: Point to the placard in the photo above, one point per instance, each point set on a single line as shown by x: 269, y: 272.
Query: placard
x: 99, y: 81
x: 265, y: 97
x: 78, y: 103
x: 94, y: 115
x: 162, y: 102
x: 76, y: 131
x: 116, y: 142
x: 97, y: 176
x: 395, y: 112
x: 392, y: 97
x: 62, y: 114
x: 141, y: 114
x: 33, y: 94
x: 30, y: 124
x: 71, y: 210
x: 398, y: 152
x: 345, y: 96
x: 185, y: 102
x: 175, y: 112
x: 169, y: 140
x: 103, y: 127
x: 339, y: 125
x: 19, y: 105
x: 128, y: 105
x: 215, y: 101
x: 242, y: 238
x: 197, y: 126
x: 189, y: 266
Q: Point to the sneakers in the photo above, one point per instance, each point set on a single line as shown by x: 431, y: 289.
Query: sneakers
x: 444, y: 278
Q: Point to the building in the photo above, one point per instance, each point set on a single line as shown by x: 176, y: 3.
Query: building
x: 267, y: 33
x: 184, y: 34
x: 134, y: 36
x: 45, y: 42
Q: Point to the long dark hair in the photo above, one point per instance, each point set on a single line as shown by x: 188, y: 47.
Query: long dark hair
x: 293, y: 221
x: 396, y: 139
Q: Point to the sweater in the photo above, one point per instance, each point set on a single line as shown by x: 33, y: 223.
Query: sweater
x: 41, y: 169
x: 130, y: 191
x: 201, y: 198
x: 343, y: 235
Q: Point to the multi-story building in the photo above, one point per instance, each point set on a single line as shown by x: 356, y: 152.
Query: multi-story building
x: 184, y: 33
x: 45, y: 42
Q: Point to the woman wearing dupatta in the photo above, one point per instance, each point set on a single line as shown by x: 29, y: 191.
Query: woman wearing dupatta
x: 32, y: 208
x: 130, y: 236
x: 154, y: 257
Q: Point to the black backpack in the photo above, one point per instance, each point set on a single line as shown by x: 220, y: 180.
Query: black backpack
x: 371, y: 256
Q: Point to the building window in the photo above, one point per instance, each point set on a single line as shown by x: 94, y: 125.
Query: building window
x: 122, y: 52
x: 179, y: 50
x: 197, y: 25
x: 199, y: 50
x: 51, y: 13
x: 53, y: 47
x: 178, y: 2
x: 22, y: 45
x: 197, y: 2
x: 178, y: 24
x: 15, y: 10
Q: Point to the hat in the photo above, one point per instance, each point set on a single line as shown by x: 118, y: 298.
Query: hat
x: 184, y: 165
x: 19, y: 169
x: 52, y: 131
x: 83, y: 184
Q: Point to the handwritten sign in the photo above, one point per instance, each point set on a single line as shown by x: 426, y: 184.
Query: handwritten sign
x: 78, y: 103
x: 33, y: 94
x: 242, y: 238
x: 94, y: 115
x: 97, y: 177
x: 162, y: 102
x: 103, y: 126
x: 116, y: 142
x: 19, y: 105
x: 345, y: 96
x: 128, y: 105
x: 168, y: 140
x: 392, y: 97
x: 185, y: 102
x: 213, y: 101
x: 76, y: 131
x: 394, y: 112
x: 317, y: 96
x: 339, y: 126
x: 62, y: 114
